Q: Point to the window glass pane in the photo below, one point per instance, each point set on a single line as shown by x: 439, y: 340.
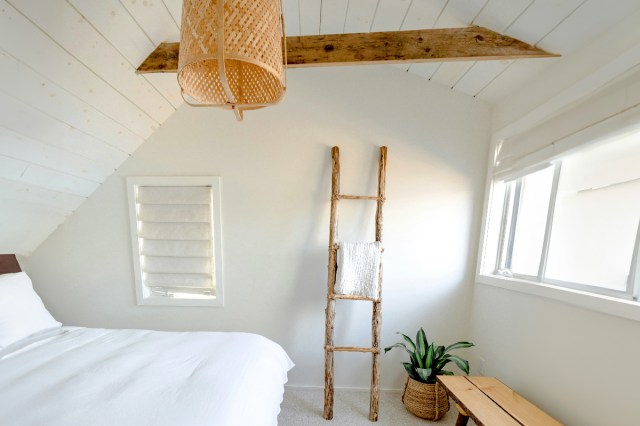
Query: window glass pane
x: 596, y: 215
x: 494, y: 223
x: 507, y: 219
x: 531, y: 222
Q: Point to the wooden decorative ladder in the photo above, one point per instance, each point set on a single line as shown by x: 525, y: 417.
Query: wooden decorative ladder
x: 376, y: 322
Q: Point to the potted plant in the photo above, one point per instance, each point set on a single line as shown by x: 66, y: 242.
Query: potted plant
x: 422, y: 395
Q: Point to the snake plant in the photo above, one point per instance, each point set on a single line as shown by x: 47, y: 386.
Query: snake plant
x: 428, y: 360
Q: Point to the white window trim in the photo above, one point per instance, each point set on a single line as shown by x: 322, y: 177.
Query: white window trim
x: 628, y: 309
x: 214, y: 182
x: 596, y: 302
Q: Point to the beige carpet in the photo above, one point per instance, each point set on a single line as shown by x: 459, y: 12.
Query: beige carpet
x: 304, y: 407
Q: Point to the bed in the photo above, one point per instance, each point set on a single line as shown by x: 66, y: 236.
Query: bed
x: 85, y: 376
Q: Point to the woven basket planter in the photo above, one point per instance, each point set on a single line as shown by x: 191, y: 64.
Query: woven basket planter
x: 424, y: 400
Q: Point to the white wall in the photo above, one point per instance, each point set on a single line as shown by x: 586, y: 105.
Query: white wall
x: 578, y: 365
x: 275, y: 169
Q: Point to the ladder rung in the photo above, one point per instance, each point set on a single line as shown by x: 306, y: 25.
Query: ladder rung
x: 358, y: 197
x: 352, y: 349
x: 337, y: 247
x: 351, y: 297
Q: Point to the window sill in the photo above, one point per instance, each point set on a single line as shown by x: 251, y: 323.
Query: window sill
x: 595, y: 302
x: 168, y: 301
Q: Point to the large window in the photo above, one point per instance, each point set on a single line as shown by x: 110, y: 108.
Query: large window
x: 573, y: 222
x: 175, y: 231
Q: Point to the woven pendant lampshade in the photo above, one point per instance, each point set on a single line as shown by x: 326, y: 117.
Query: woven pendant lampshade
x: 232, y: 54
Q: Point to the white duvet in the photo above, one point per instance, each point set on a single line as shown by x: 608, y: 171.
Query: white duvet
x: 92, y: 377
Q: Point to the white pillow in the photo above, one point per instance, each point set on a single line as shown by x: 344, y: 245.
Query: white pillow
x: 22, y: 312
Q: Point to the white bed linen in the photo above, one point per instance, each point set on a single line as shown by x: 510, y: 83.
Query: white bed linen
x: 86, y: 377
x: 22, y: 312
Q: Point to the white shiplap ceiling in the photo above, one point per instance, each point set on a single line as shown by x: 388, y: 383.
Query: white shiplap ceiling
x: 72, y: 109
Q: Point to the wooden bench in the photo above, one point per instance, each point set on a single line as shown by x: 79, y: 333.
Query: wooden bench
x: 489, y: 402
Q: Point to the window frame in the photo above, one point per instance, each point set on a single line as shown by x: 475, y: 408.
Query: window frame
x: 502, y: 265
x: 143, y: 297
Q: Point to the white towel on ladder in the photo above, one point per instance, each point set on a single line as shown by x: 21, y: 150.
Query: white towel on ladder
x: 358, y: 269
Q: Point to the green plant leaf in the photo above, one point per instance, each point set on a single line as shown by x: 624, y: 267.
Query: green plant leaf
x: 443, y: 361
x: 458, y: 345
x: 411, y: 371
x: 424, y: 374
x: 417, y: 361
x: 439, y: 353
x: 461, y: 363
x: 408, y: 340
x: 398, y: 345
x: 430, y: 353
x: 421, y: 343
x: 446, y: 373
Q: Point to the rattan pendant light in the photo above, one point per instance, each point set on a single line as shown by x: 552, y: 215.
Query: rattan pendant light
x: 232, y: 54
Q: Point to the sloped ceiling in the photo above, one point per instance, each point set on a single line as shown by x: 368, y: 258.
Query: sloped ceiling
x: 72, y: 109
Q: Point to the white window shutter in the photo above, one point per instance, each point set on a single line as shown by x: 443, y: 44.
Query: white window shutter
x: 174, y: 240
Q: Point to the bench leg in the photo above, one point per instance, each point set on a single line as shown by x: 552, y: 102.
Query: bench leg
x: 463, y: 417
x: 462, y: 420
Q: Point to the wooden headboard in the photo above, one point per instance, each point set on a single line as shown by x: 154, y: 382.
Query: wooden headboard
x: 9, y: 264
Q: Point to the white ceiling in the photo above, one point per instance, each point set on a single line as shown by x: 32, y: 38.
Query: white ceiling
x: 72, y: 109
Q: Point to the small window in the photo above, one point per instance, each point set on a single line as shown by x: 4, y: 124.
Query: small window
x: 175, y: 231
x: 573, y: 223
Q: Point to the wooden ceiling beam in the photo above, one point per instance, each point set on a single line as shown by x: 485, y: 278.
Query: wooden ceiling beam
x: 434, y: 45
